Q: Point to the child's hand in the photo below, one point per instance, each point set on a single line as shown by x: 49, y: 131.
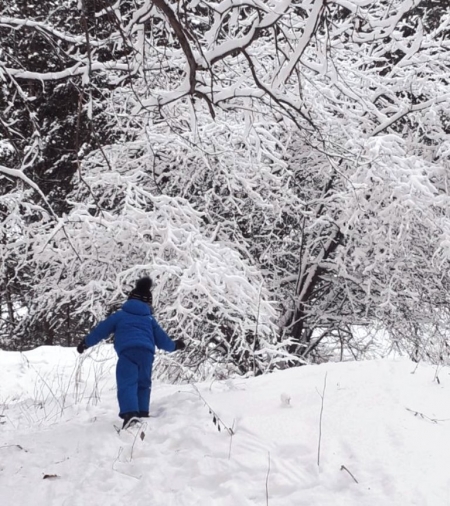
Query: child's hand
x: 179, y: 344
x: 81, y: 347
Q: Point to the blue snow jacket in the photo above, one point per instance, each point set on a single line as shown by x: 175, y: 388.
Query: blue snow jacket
x: 133, y: 326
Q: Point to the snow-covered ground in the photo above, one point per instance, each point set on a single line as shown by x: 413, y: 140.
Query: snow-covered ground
x: 384, y: 436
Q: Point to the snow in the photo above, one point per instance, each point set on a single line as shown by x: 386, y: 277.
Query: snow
x: 385, y: 435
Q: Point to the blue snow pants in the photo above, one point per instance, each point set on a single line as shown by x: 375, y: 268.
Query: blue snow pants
x: 134, y: 380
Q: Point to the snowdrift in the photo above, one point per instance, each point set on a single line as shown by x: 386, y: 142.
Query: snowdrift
x: 368, y: 433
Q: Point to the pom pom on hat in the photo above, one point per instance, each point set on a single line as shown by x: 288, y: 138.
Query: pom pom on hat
x: 143, y: 285
x: 142, y: 290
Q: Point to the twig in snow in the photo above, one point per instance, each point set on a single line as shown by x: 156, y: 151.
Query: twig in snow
x: 425, y: 417
x: 218, y: 422
x: 415, y: 368
x: 125, y: 474
x: 141, y: 434
x: 267, y: 481
x: 14, y: 446
x: 322, y: 395
x: 343, y: 468
x: 50, y: 476
x: 231, y: 439
x: 436, y: 375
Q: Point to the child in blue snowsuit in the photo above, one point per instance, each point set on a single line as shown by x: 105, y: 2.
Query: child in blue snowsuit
x: 136, y: 335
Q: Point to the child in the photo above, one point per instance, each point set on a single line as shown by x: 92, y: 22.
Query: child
x: 136, y: 335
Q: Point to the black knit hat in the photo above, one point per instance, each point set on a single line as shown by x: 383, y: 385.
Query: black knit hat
x: 142, y: 291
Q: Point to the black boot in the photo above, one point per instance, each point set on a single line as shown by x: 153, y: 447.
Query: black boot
x: 143, y: 414
x: 130, y: 419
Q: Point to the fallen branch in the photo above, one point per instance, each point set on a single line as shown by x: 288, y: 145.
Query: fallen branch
x: 14, y: 446
x: 343, y: 468
x: 121, y: 472
x: 322, y: 395
x: 425, y: 417
x: 141, y: 434
x: 217, y: 421
x: 50, y: 476
x: 231, y: 440
x: 267, y: 481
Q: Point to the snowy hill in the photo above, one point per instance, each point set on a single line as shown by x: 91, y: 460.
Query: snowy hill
x: 383, y: 427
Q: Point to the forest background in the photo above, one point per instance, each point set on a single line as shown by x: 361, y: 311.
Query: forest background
x: 279, y: 168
